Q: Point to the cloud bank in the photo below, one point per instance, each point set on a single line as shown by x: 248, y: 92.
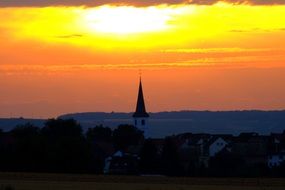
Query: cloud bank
x: 40, y: 3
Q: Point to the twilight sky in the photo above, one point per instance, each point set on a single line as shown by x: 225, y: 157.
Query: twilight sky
x: 59, y: 56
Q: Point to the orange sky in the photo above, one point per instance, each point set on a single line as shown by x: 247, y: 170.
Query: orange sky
x: 59, y: 59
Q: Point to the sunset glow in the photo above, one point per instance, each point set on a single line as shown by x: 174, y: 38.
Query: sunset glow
x: 127, y: 20
x: 147, y: 27
x: 172, y: 43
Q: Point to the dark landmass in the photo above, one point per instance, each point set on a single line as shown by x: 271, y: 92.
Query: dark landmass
x: 162, y: 124
x: 61, y: 146
x: 7, y: 124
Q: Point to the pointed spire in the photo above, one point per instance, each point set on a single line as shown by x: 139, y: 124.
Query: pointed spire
x: 140, y: 109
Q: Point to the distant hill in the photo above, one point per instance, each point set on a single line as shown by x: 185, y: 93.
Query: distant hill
x: 162, y: 124
x: 167, y: 123
x: 7, y: 124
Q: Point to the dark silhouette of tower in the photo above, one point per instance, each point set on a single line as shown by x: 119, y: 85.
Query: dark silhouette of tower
x: 140, y: 116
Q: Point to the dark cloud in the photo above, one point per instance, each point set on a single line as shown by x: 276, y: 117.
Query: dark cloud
x: 70, y: 36
x: 29, y: 3
x: 255, y: 30
x: 253, y: 2
x: 22, y: 3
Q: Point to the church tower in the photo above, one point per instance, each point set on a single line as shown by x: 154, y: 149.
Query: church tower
x: 140, y: 116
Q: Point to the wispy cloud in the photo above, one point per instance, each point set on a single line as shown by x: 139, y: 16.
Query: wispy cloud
x: 238, y: 61
x: 216, y: 50
x: 70, y: 36
x: 255, y: 30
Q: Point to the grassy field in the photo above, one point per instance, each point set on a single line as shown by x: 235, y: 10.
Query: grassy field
x: 35, y: 181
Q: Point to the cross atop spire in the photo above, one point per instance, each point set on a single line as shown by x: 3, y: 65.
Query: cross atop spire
x: 140, y: 109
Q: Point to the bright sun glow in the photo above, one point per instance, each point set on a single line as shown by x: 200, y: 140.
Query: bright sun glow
x: 127, y: 20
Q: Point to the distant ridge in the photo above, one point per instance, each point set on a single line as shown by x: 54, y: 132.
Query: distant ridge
x: 174, y: 122
x: 97, y: 115
x: 7, y: 124
x: 177, y: 114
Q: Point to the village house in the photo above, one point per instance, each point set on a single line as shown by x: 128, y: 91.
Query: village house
x: 121, y: 163
x: 276, y: 160
x: 252, y: 148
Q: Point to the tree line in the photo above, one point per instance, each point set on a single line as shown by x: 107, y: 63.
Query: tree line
x: 62, y: 146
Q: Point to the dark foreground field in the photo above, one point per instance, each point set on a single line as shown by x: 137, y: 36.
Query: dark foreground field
x: 34, y: 181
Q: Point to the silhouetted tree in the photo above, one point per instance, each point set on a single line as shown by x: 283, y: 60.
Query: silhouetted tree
x: 126, y: 135
x: 170, y: 159
x: 226, y: 164
x: 149, y: 158
x: 99, y: 139
x: 25, y: 131
x: 25, y: 152
x: 55, y: 128
x: 278, y: 171
x: 65, y: 146
x: 99, y: 133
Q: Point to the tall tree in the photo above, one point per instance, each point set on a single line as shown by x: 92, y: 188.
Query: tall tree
x: 170, y: 158
x: 24, y: 152
x: 66, y: 147
x: 99, y: 133
x: 149, y: 158
x: 127, y: 135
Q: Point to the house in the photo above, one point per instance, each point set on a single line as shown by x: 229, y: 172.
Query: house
x: 277, y: 150
x: 278, y: 142
x: 215, y: 145
x: 121, y: 163
x: 198, y: 148
x: 275, y: 160
x: 212, y: 146
x: 189, y: 149
x: 252, y: 148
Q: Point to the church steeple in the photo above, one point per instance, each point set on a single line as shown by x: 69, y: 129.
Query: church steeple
x: 141, y: 116
x: 140, y: 109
